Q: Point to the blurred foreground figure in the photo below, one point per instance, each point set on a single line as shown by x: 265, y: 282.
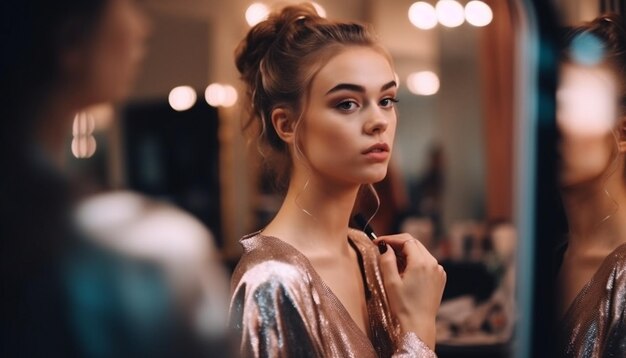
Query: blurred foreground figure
x: 67, y: 290
x: 168, y: 243
x: 591, y: 116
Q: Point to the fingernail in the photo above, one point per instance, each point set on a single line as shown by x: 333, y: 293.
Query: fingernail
x: 382, y: 247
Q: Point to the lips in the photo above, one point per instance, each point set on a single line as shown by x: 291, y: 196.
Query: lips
x: 377, y: 148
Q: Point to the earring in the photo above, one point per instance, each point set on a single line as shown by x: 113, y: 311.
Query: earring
x: 83, y: 143
x: 297, y: 200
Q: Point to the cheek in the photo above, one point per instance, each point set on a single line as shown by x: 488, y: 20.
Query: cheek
x: 331, y: 141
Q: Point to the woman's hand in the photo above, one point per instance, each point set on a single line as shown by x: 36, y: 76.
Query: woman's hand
x: 414, y: 281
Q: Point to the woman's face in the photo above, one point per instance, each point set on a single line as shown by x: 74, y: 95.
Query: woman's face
x: 349, y: 124
x: 587, y: 114
x: 112, y: 56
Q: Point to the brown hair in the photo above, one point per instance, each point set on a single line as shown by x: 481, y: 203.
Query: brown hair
x: 277, y: 61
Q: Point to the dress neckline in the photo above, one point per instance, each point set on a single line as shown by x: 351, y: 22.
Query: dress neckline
x: 329, y: 292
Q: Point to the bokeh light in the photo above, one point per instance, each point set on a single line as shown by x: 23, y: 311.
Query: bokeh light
x: 423, y: 15
x: 182, y: 98
x: 319, y: 9
x: 256, y: 13
x: 83, y: 146
x: 215, y: 94
x: 586, y: 100
x: 423, y: 83
x: 478, y: 13
x: 230, y: 96
x: 83, y: 141
x: 450, y: 13
x: 221, y: 95
x: 84, y: 124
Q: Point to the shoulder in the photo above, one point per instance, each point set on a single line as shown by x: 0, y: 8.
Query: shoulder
x: 269, y: 263
x: 619, y: 255
x: 268, y: 288
x: 272, y: 274
x: 614, y: 268
x: 610, y: 281
x: 617, y: 262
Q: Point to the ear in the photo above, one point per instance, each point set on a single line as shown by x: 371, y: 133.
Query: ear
x: 283, y: 124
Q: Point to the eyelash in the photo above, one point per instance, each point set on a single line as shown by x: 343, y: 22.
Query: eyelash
x: 392, y: 100
x: 342, y: 103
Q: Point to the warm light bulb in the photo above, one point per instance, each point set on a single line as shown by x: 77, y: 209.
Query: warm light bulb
x: 182, y: 98
x: 215, y: 94
x: 424, y: 83
x: 478, y: 13
x: 450, y: 13
x: 423, y: 15
x: 256, y: 13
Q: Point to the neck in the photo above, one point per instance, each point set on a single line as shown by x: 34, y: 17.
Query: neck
x: 596, y: 214
x: 314, y: 216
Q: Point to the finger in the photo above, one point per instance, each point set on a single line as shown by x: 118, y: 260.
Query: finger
x: 409, y: 250
x: 398, y: 241
x: 389, y: 267
x: 444, y: 277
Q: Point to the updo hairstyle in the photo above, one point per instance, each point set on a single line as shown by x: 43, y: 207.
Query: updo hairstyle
x: 277, y: 61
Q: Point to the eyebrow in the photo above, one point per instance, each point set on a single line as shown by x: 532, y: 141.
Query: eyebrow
x: 359, y: 88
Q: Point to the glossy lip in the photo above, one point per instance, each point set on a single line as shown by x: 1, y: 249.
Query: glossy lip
x: 381, y: 147
x: 378, y: 152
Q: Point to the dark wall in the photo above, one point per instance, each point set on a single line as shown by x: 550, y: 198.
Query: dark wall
x: 175, y: 156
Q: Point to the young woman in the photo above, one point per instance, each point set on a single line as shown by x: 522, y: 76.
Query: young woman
x: 592, y: 274
x: 323, y: 94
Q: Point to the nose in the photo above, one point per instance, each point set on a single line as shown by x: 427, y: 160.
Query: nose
x: 376, y: 122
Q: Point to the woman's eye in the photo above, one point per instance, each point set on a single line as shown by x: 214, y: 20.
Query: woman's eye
x: 347, y: 106
x: 388, y: 102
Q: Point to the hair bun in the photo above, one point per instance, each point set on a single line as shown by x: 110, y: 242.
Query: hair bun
x: 253, y: 48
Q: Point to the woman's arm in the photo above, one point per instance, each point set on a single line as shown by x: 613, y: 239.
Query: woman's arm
x: 268, y: 316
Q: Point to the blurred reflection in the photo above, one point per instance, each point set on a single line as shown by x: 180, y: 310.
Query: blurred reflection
x: 126, y: 281
x: 591, y: 117
x: 175, y: 243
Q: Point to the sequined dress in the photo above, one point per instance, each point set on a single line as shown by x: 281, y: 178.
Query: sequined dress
x: 595, y: 323
x: 280, y: 307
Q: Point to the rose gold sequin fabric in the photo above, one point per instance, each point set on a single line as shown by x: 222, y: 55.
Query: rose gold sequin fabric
x: 281, y: 307
x: 595, y: 324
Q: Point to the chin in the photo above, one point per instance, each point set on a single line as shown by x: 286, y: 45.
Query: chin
x: 375, y: 177
x: 573, y: 181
